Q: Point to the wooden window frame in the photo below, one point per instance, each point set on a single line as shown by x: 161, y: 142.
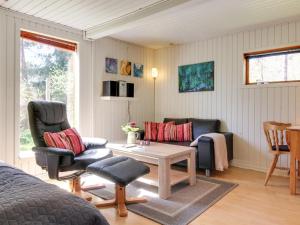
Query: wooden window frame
x: 262, y: 53
x: 59, y: 43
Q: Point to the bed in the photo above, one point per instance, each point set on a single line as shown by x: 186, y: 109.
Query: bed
x: 27, y: 200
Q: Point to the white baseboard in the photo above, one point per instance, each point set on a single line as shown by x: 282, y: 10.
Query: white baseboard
x: 246, y: 165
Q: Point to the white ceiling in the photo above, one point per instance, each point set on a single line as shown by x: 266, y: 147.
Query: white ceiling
x: 198, y: 19
x: 80, y: 14
x: 185, y: 22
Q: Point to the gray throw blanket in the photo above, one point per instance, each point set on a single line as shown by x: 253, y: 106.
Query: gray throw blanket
x: 27, y: 200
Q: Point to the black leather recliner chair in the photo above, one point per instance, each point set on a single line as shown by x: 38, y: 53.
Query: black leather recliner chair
x: 45, y: 116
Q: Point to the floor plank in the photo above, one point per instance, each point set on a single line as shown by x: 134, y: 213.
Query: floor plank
x: 250, y: 203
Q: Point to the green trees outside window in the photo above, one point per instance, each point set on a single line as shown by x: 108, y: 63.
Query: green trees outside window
x: 47, y: 73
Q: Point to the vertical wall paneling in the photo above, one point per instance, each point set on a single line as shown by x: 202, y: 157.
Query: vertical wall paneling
x: 3, y: 89
x: 10, y: 25
x: 110, y: 115
x: 242, y: 109
x: 10, y: 84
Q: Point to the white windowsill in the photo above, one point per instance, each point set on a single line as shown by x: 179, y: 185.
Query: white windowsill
x: 271, y: 85
x: 114, y: 98
x: 26, y: 154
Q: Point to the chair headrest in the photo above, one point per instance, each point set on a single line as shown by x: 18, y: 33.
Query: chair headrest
x: 48, y: 112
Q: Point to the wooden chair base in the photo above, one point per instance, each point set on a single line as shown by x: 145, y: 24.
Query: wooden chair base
x: 120, y: 201
x: 77, y: 189
x: 83, y: 195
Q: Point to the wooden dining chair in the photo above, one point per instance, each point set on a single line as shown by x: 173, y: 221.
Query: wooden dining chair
x: 275, y: 133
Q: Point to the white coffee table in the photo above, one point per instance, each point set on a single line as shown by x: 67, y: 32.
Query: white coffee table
x: 162, y: 155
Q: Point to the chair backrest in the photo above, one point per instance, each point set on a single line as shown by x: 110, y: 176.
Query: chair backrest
x: 275, y: 133
x: 46, y: 116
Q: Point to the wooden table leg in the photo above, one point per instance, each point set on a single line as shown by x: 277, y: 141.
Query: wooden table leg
x: 192, y: 168
x: 294, y: 141
x: 298, y: 166
x: 293, y: 177
x: 164, y: 180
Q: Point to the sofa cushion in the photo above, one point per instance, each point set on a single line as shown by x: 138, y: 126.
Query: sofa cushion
x: 184, y: 132
x: 151, y: 131
x: 170, y: 132
x: 176, y: 120
x: 204, y: 126
x: 161, y: 130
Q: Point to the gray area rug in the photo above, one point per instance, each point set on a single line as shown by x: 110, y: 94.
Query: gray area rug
x: 185, y: 204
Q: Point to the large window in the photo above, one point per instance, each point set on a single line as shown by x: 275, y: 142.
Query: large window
x: 273, y: 66
x: 47, y: 72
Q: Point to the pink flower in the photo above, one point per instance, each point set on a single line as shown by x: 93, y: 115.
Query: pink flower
x: 132, y: 124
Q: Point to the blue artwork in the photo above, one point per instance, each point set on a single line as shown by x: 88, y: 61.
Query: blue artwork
x: 138, y: 70
x: 196, y: 77
x: 111, y: 65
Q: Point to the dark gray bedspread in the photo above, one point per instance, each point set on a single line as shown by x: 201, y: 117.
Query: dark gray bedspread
x: 27, y: 200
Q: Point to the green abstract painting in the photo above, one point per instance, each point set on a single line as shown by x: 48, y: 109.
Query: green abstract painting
x: 196, y: 77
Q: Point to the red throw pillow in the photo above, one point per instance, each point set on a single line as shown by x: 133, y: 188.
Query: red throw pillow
x: 67, y: 139
x: 184, y: 132
x: 161, y: 130
x: 56, y: 140
x: 170, y: 132
x: 151, y: 131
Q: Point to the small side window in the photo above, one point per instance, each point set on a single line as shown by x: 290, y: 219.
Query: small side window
x: 273, y: 66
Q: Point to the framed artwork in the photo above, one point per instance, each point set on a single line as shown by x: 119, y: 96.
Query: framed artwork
x: 138, y: 70
x: 125, y: 68
x: 196, y: 77
x: 111, y: 65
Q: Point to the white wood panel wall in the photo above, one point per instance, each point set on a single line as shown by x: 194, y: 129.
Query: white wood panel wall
x: 110, y: 115
x: 96, y: 117
x: 10, y: 25
x: 241, y: 109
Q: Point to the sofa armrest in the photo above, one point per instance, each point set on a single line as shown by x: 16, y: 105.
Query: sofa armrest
x: 229, y: 144
x: 53, y: 151
x: 206, y: 154
x: 92, y: 143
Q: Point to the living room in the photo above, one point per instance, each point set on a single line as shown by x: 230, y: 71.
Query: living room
x: 156, y: 49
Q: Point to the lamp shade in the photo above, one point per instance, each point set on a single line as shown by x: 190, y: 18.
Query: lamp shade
x: 154, y: 73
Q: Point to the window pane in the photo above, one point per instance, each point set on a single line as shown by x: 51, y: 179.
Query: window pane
x: 294, y: 67
x: 47, y: 73
x: 274, y: 68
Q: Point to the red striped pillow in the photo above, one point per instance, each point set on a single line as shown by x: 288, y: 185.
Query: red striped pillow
x: 67, y: 139
x: 161, y: 130
x: 56, y: 140
x: 151, y: 131
x: 170, y: 132
x: 184, y: 132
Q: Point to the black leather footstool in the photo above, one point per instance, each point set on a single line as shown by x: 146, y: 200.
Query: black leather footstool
x: 121, y: 170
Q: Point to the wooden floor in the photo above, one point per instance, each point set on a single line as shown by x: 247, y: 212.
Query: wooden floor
x: 250, y: 203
